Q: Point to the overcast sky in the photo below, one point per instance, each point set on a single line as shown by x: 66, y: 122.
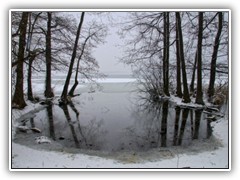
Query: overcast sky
x: 108, y: 54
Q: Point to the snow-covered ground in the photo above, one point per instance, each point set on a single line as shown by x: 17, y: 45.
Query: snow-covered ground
x: 214, y: 156
x: 25, y: 157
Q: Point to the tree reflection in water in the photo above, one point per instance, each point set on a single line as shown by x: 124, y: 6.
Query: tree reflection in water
x: 164, y: 124
x: 163, y: 131
x: 183, y: 125
x: 70, y: 123
x: 147, y: 125
x: 176, y: 126
x: 83, y: 136
x: 78, y: 121
x: 50, y: 120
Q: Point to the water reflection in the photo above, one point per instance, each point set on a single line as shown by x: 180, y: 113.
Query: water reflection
x: 163, y: 131
x: 71, y: 125
x: 50, y: 120
x: 125, y: 126
x: 198, y: 114
x: 164, y: 125
x: 176, y: 125
x: 78, y: 122
x: 183, y: 125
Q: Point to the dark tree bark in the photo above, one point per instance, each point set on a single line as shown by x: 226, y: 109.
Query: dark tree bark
x: 214, y: 57
x: 183, y: 125
x: 71, y: 92
x: 193, y: 74
x: 179, y: 84
x: 48, y: 89
x: 198, y: 114
x: 31, y: 56
x: 29, y: 78
x: 164, y: 124
x: 199, y: 96
x: 71, y: 126
x: 166, y: 55
x: 64, y: 99
x: 186, y: 97
x: 51, y: 120
x: 18, y: 97
x: 176, y: 125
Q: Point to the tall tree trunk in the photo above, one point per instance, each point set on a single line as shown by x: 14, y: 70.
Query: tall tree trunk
x: 30, y: 60
x: 48, y: 89
x: 71, y: 92
x: 178, y: 59
x: 166, y: 55
x: 186, y: 97
x: 199, y: 97
x: 214, y: 57
x: 18, y: 97
x: 29, y: 78
x: 193, y: 73
x: 64, y: 99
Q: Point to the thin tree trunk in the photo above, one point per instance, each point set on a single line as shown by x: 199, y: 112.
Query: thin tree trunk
x: 64, y: 99
x: 31, y: 56
x: 48, y: 88
x: 179, y: 84
x: 166, y: 55
x: 214, y: 57
x: 18, y: 97
x: 199, y: 97
x: 186, y: 97
x: 193, y: 74
x: 71, y: 92
x: 29, y: 78
x: 30, y: 61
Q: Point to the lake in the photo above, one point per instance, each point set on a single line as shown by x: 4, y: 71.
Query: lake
x: 113, y: 118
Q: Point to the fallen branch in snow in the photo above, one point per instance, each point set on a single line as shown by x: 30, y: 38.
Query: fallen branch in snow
x: 214, y: 113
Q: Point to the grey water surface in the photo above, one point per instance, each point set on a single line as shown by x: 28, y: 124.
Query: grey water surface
x: 116, y: 119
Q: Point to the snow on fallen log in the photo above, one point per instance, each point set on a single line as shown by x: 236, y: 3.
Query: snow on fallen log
x: 42, y: 139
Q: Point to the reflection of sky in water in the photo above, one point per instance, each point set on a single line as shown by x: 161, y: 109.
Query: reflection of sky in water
x: 114, y: 120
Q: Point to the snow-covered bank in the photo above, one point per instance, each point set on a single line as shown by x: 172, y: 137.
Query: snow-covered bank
x: 28, y: 111
x: 209, y: 153
x: 25, y: 157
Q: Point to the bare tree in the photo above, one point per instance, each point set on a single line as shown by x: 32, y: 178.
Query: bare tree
x: 95, y: 36
x: 32, y: 54
x: 199, y: 96
x: 64, y: 98
x: 18, y: 97
x: 166, y: 54
x: 178, y: 64
x: 214, y: 56
x: 191, y: 87
x: 186, y: 97
x: 48, y: 89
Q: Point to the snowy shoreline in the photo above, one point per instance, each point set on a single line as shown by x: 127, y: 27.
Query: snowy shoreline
x: 201, y: 155
x: 51, y: 159
x: 209, y: 158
